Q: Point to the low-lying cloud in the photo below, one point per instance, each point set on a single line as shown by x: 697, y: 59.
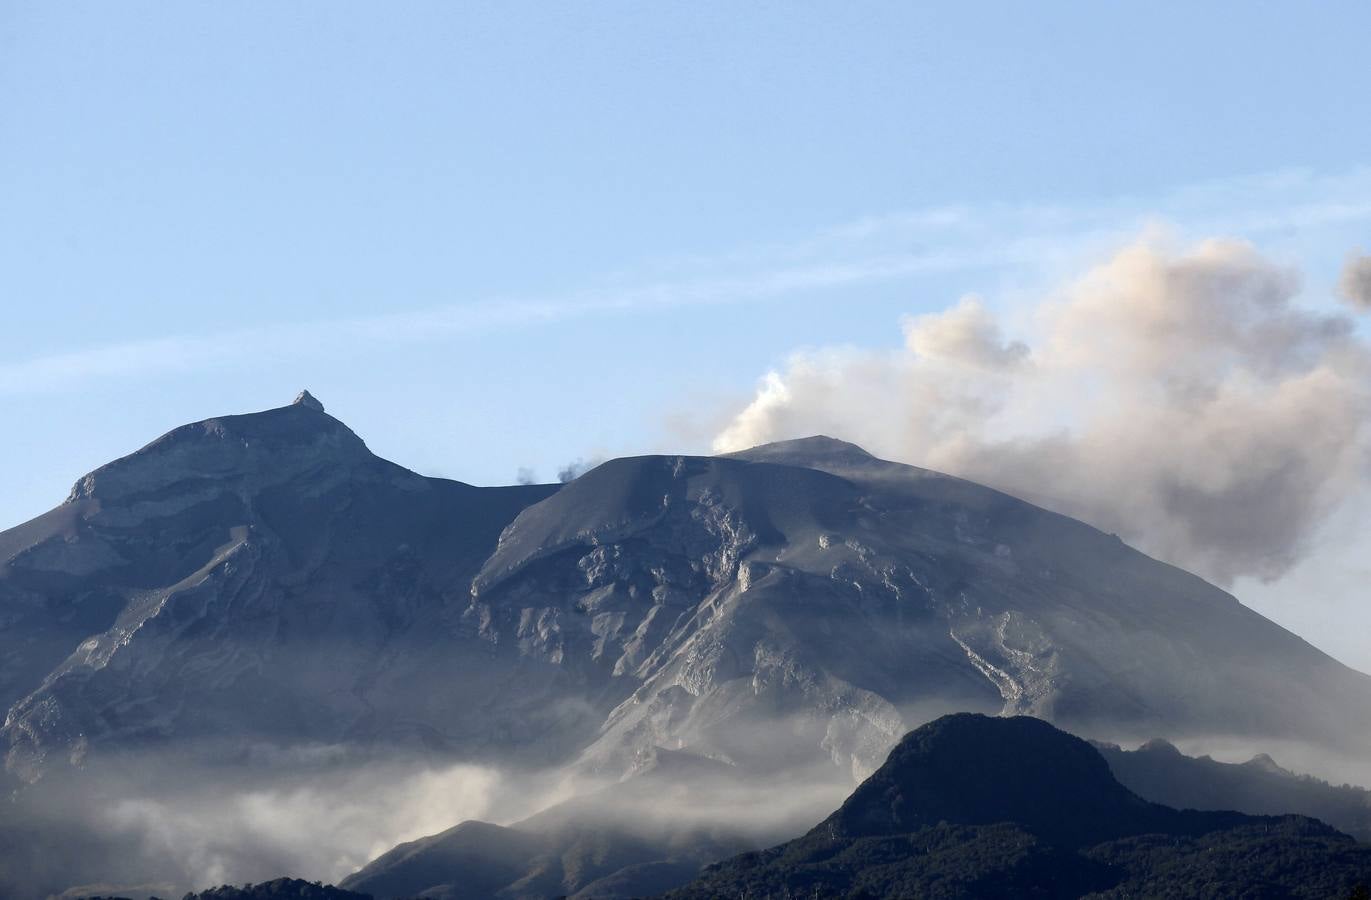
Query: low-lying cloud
x: 1183, y: 400
x: 324, y: 829
x: 167, y: 821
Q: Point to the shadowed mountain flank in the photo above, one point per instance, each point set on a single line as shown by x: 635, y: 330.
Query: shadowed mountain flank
x: 1160, y: 772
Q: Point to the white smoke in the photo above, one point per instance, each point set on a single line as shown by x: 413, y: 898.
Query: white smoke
x: 576, y: 468
x: 1183, y: 400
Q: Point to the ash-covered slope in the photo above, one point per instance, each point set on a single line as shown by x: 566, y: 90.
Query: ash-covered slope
x: 970, y: 806
x: 805, y: 596
x: 1076, y: 627
x: 723, y: 592
x: 248, y: 577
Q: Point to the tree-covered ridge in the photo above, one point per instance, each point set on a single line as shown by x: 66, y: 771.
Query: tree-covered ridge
x: 975, y: 807
x: 279, y: 889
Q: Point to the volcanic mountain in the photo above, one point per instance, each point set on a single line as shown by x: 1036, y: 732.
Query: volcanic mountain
x: 266, y: 578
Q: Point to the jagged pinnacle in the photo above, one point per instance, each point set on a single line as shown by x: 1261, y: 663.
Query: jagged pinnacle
x: 305, y: 398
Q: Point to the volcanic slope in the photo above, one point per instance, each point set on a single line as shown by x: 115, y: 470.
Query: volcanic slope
x: 806, y: 596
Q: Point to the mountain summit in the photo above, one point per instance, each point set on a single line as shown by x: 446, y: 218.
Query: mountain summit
x: 275, y: 446
x: 812, y: 452
x: 305, y: 398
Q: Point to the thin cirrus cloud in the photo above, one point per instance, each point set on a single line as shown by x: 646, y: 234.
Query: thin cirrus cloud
x: 1181, y: 398
x: 869, y: 250
x: 242, y: 346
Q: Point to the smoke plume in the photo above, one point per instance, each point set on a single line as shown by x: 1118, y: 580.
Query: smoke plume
x: 1355, y: 283
x: 575, y: 469
x: 1183, y: 400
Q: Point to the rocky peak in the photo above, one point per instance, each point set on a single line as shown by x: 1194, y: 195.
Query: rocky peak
x: 274, y: 445
x: 1160, y: 747
x: 307, y: 400
x: 1264, y: 763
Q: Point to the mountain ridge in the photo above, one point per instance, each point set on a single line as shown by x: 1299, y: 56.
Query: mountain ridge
x: 678, y: 595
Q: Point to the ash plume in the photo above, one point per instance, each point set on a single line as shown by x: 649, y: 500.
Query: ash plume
x: 1183, y: 400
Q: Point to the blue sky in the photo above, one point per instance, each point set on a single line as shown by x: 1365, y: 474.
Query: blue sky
x: 493, y: 236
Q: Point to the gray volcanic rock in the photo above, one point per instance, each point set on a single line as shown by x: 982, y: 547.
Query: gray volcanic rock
x: 1072, y: 625
x: 806, y: 597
